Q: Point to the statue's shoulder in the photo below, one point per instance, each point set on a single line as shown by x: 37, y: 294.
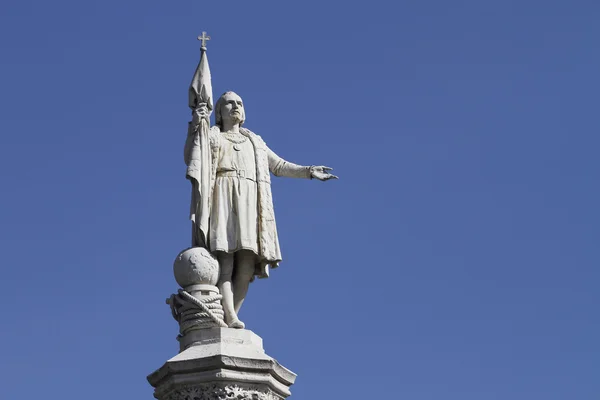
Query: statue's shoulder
x: 255, y: 138
x: 214, y: 134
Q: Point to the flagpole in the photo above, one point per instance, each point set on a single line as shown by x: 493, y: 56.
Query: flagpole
x: 200, y: 94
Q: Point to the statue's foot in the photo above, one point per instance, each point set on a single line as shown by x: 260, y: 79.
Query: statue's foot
x: 236, y: 324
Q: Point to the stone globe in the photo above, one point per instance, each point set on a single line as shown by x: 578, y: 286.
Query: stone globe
x: 196, y: 266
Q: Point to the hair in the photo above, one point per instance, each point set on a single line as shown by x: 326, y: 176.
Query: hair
x: 220, y: 103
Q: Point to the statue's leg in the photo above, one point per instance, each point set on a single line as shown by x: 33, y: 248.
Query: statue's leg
x: 226, y: 273
x: 244, y: 271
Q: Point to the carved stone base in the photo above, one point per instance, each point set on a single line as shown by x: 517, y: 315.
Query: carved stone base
x: 222, y: 391
x: 221, y: 364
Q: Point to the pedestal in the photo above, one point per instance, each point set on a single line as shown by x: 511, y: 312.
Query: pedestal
x: 221, y: 364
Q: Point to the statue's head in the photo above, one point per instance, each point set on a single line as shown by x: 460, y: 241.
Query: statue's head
x: 229, y: 108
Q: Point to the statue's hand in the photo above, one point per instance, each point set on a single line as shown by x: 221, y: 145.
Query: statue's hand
x: 201, y: 112
x: 320, y: 173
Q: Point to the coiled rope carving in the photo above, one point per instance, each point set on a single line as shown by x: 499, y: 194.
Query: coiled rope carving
x: 192, y: 313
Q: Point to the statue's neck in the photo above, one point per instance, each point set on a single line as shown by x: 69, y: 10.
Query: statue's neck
x: 230, y: 128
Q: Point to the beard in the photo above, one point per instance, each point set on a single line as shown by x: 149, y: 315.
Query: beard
x: 236, y: 117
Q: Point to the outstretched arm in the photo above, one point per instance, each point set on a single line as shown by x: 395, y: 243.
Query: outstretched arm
x: 280, y: 167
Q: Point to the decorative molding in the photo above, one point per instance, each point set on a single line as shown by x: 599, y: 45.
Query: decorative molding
x: 222, y: 391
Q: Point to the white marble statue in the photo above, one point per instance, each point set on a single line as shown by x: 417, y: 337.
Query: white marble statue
x: 232, y: 208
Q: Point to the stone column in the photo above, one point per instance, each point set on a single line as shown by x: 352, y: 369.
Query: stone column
x: 221, y: 363
x: 214, y: 362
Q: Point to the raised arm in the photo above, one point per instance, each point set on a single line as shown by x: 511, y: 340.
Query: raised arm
x: 191, y: 150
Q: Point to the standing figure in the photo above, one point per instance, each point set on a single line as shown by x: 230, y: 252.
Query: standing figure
x: 232, y: 207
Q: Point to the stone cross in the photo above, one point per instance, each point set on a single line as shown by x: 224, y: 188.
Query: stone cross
x: 203, y: 39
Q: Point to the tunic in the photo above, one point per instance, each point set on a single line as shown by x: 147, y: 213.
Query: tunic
x: 229, y: 211
x: 234, y: 212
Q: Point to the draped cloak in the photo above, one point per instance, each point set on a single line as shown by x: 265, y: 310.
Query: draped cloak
x: 201, y: 156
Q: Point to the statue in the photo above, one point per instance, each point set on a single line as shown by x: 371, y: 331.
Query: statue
x: 231, y: 208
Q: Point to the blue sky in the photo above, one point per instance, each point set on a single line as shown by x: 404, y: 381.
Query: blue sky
x: 456, y: 257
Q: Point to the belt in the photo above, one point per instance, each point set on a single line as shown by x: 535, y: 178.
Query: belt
x: 240, y: 173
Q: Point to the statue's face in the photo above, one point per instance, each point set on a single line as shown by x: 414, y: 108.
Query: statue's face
x: 232, y: 108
